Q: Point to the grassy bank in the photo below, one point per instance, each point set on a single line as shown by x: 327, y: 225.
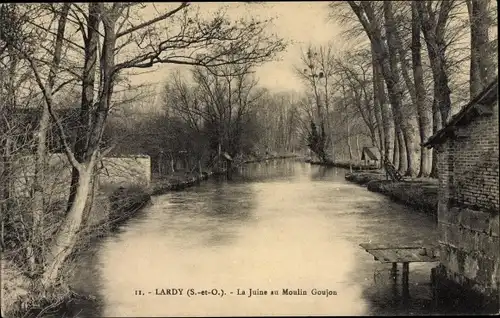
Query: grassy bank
x: 420, y: 194
x: 271, y: 157
x: 181, y: 179
x: 23, y: 297
x: 344, y: 164
x: 177, y: 181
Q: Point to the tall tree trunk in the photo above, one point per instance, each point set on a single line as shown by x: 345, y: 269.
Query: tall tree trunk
x: 434, y: 32
x: 402, y: 151
x: 65, y: 238
x: 385, y: 113
x: 329, y: 130
x: 88, y: 83
x: 41, y: 157
x: 377, y: 107
x: 408, y: 111
x: 436, y: 125
x: 481, y: 57
x: 94, y: 183
x: 349, y: 142
x: 424, y: 120
x: 406, y: 157
x: 370, y: 116
x: 395, y: 154
x: 358, y: 147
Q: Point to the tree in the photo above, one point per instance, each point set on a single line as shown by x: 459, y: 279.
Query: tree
x: 382, y: 108
x: 318, y: 74
x: 425, y: 126
x: 316, y: 141
x: 115, y: 39
x: 356, y: 81
x: 433, y: 24
x: 439, y: 66
x: 481, y: 57
x: 386, y: 54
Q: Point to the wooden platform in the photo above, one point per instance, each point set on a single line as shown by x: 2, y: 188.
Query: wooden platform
x: 402, y: 253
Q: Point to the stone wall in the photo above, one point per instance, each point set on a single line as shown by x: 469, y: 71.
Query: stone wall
x: 113, y: 171
x: 56, y: 177
x: 468, y: 209
x: 125, y: 170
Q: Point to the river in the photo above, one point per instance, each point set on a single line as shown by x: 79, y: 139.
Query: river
x: 276, y: 225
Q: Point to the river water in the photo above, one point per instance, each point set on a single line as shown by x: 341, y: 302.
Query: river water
x: 276, y: 225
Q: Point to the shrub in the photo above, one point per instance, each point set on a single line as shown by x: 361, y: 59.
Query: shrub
x: 125, y: 201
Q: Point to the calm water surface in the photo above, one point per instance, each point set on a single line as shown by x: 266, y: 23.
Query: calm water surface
x: 274, y: 226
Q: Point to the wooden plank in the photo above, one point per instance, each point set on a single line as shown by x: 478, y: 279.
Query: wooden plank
x: 384, y: 256
x: 369, y: 246
x: 400, y: 256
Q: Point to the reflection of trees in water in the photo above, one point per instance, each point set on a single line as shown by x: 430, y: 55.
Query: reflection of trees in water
x: 213, y: 214
x: 86, y: 280
x: 230, y: 203
x: 266, y: 171
x: 327, y: 173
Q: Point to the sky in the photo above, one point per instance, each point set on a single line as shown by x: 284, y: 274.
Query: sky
x: 301, y: 23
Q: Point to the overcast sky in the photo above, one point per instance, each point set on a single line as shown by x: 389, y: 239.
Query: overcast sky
x: 303, y: 23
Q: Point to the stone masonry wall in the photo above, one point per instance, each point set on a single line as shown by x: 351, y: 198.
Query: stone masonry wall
x: 113, y: 171
x: 468, y: 209
x: 125, y: 170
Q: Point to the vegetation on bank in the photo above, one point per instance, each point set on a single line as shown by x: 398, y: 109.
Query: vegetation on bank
x: 47, y: 68
x: 22, y: 296
x: 420, y: 194
x: 345, y: 164
x: 180, y: 180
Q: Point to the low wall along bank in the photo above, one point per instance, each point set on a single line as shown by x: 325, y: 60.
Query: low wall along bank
x: 113, y: 171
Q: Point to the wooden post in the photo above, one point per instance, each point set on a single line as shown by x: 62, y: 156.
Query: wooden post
x: 406, y: 272
x: 394, y: 274
x: 394, y: 271
x: 434, y: 288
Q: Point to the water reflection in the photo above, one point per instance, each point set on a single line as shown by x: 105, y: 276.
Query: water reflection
x: 274, y: 226
x: 326, y: 173
x: 268, y: 171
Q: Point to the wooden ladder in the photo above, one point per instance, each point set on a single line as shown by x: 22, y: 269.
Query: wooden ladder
x: 392, y: 171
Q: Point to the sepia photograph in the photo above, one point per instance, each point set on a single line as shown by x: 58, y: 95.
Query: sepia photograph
x: 249, y: 158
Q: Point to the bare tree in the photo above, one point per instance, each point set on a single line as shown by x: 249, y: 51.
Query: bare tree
x: 317, y: 74
x: 381, y: 106
x: 386, y: 53
x: 481, y: 57
x: 356, y: 80
x: 116, y: 38
x: 425, y: 124
x: 433, y: 23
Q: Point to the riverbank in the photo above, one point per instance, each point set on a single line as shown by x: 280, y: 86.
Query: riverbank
x: 112, y: 207
x: 23, y: 297
x: 182, y: 180
x: 419, y: 194
x: 343, y: 164
x: 272, y: 157
x: 211, y: 223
